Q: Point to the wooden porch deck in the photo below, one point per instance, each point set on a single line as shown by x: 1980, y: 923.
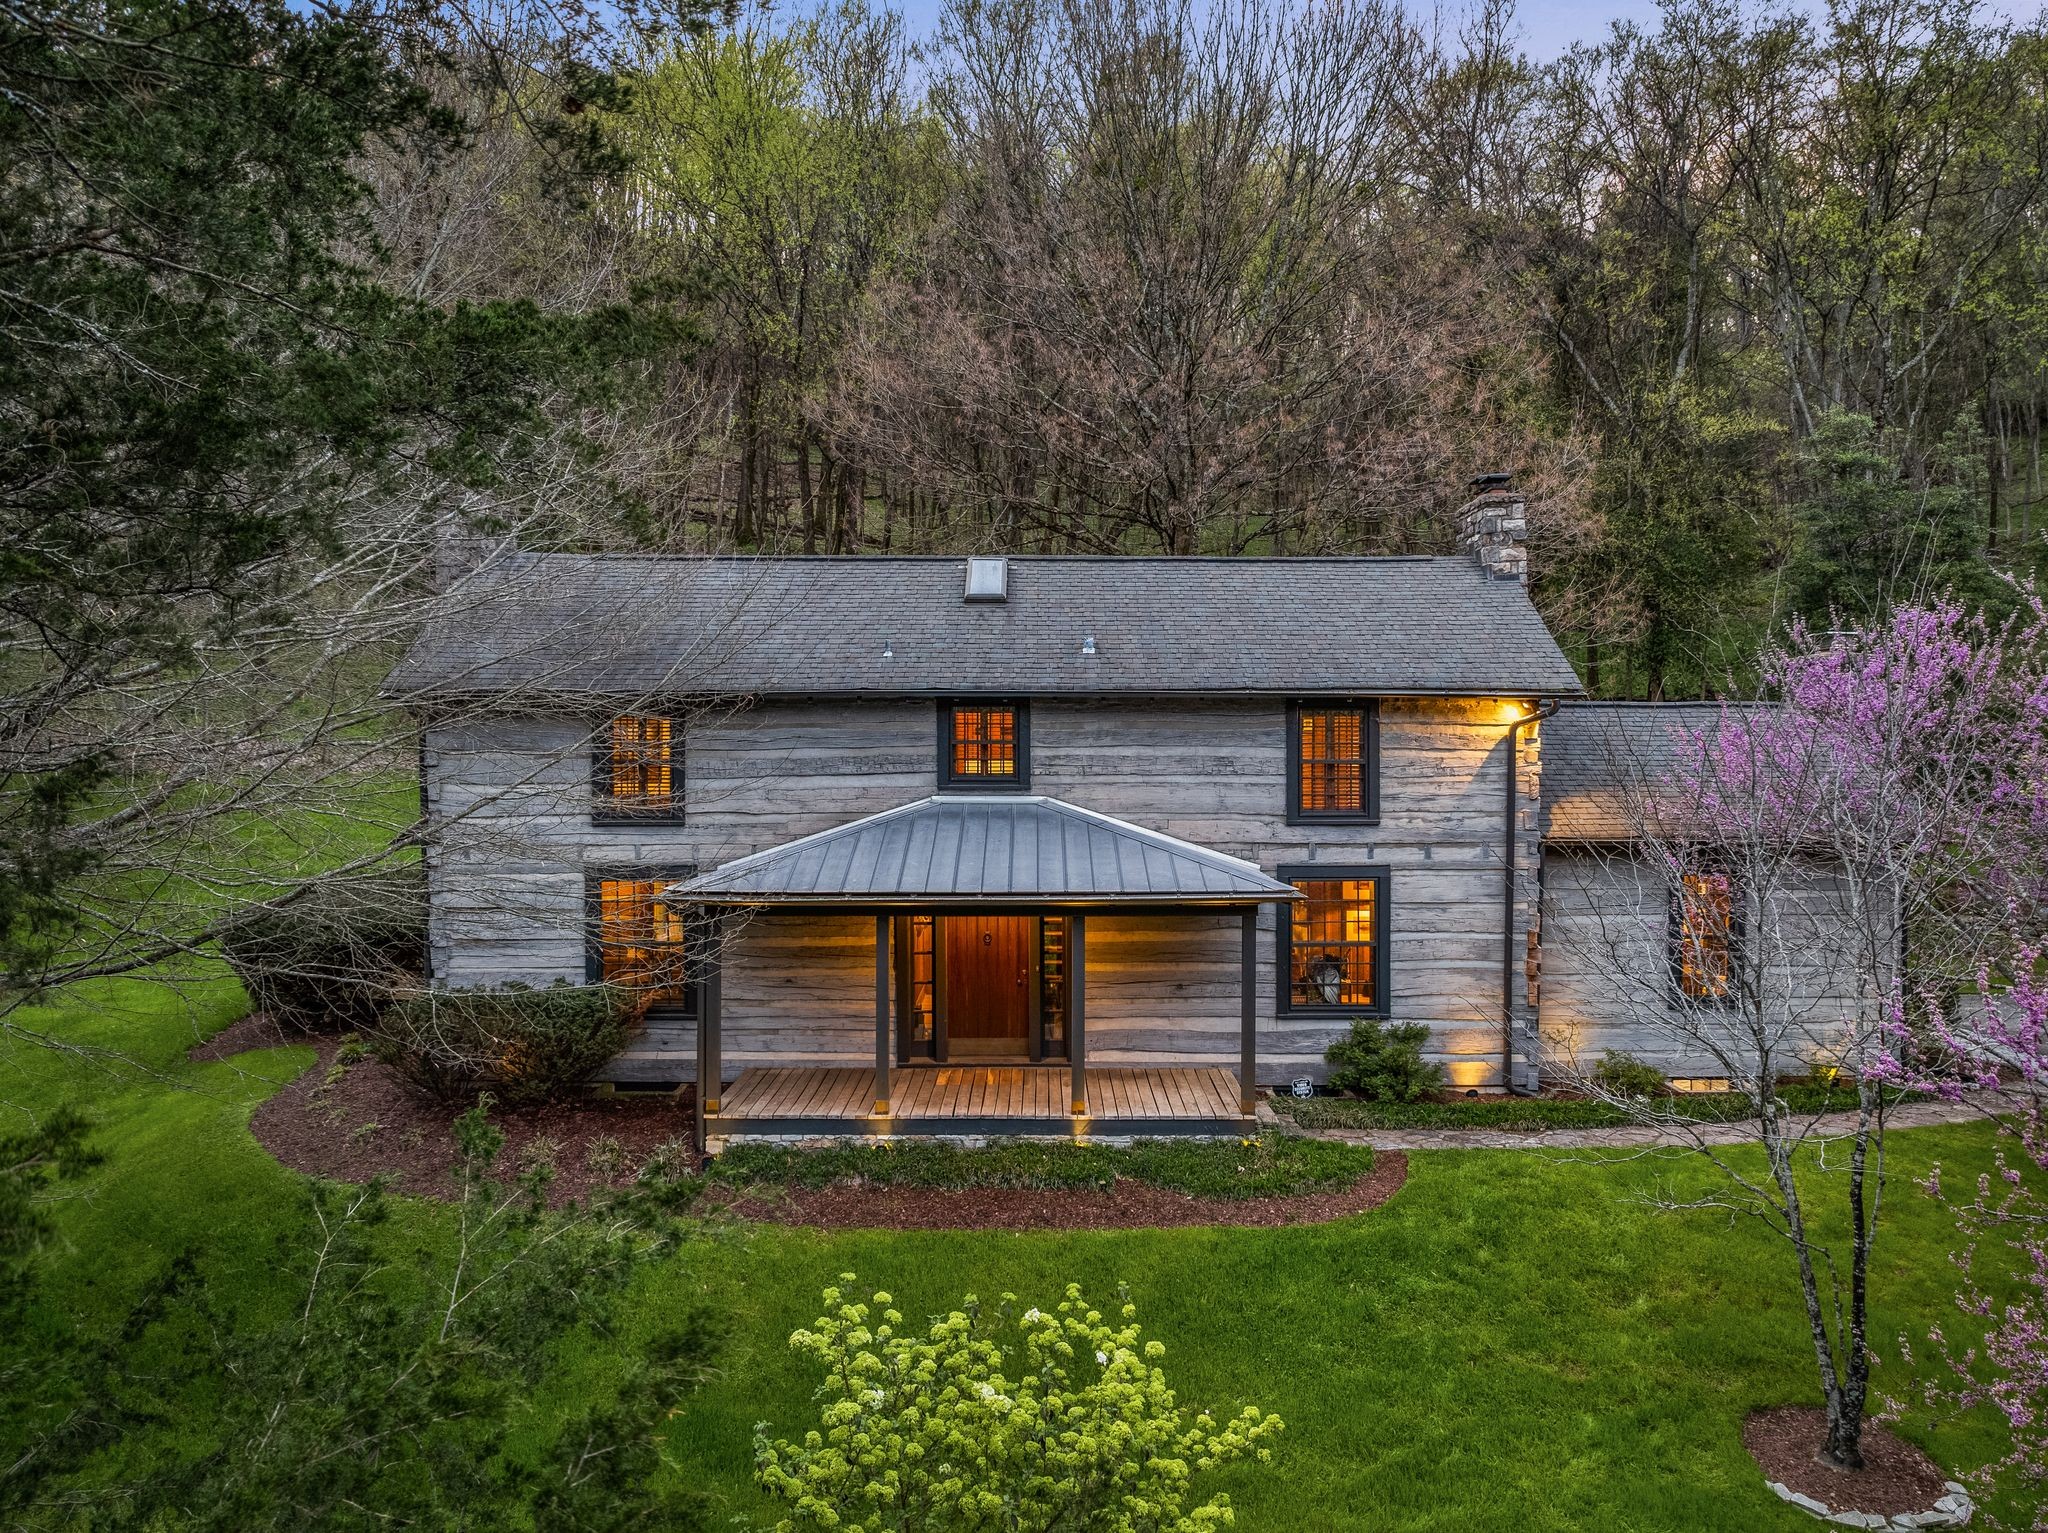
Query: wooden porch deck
x: 928, y: 1099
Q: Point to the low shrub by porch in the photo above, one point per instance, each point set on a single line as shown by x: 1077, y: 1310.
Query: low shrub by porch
x: 1267, y: 1165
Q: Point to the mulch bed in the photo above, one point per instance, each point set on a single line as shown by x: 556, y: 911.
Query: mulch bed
x: 1127, y: 1206
x: 367, y: 1122
x: 1896, y: 1476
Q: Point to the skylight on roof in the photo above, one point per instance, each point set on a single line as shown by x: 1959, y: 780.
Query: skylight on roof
x: 988, y: 579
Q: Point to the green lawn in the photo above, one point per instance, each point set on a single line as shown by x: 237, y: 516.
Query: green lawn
x: 1513, y: 1343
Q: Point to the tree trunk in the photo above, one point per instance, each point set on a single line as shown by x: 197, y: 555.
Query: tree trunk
x: 807, y: 492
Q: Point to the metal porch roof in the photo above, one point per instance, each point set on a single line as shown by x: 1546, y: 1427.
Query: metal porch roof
x: 986, y: 848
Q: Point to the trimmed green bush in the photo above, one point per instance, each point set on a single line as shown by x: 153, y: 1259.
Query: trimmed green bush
x: 1623, y: 1075
x: 522, y: 1044
x: 332, y: 959
x: 1384, y: 1064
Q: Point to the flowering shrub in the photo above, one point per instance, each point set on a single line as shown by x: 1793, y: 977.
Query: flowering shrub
x: 997, y: 1420
x: 1996, y: 1353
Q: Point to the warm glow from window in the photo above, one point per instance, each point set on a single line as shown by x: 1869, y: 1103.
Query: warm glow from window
x: 1332, y: 761
x: 1694, y: 1085
x: 641, y: 939
x: 923, y: 977
x: 1332, y: 951
x: 642, y: 759
x: 1704, y: 935
x: 984, y: 743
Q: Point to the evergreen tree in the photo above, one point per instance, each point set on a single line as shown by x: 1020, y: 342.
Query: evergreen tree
x: 200, y: 360
x: 1868, y: 537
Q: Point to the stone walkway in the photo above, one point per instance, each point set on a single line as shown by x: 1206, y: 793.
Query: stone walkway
x: 1631, y: 1137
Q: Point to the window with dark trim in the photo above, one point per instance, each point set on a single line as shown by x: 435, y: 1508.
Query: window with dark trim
x: 639, y: 940
x: 984, y: 743
x: 1704, y: 927
x: 1333, y: 944
x: 1333, y: 751
x: 637, y: 769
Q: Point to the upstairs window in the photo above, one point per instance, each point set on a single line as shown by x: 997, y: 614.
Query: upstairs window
x: 1333, y: 942
x: 640, y: 941
x: 1704, y: 930
x: 637, y: 763
x: 984, y: 745
x: 1333, y: 763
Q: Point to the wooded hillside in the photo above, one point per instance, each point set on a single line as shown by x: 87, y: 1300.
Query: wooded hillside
x: 1751, y: 305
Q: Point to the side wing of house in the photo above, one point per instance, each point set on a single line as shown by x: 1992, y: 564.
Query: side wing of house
x: 1681, y: 971
x: 1614, y: 977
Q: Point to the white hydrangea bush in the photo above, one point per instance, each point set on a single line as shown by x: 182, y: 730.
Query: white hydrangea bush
x: 995, y: 1420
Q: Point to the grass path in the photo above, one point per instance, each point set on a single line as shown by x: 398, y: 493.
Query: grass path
x: 1513, y: 1343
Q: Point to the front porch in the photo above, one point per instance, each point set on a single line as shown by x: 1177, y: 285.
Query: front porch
x: 983, y: 1005
x: 981, y: 1099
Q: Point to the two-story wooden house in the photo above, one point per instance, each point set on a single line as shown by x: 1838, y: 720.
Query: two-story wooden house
x: 993, y: 844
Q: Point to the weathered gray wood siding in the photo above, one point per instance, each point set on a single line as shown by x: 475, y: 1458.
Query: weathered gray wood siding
x: 508, y: 880
x: 1606, y: 977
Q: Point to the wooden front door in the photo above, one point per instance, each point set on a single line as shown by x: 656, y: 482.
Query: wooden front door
x: 989, y: 989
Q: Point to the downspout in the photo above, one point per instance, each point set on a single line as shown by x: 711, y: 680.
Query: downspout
x: 1507, y: 904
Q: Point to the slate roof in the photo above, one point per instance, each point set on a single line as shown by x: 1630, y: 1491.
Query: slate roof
x: 643, y: 626
x: 986, y: 847
x: 1594, y: 752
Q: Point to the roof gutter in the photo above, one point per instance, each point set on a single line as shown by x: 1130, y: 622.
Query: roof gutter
x: 1543, y: 710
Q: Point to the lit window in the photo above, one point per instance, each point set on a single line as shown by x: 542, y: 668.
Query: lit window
x: 642, y: 942
x: 1334, y: 757
x: 1334, y: 940
x: 923, y: 989
x: 1052, y: 984
x: 984, y: 745
x: 639, y: 768
x: 1703, y: 933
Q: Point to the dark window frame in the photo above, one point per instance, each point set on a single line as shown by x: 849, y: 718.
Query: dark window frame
x: 1021, y: 783
x: 1674, y: 926
x: 607, y: 810
x: 691, y: 1002
x: 1378, y: 873
x: 1369, y: 743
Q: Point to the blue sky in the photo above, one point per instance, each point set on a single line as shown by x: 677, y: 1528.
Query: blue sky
x: 1548, y: 27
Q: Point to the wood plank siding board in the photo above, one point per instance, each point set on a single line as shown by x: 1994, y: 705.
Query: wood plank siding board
x: 508, y: 878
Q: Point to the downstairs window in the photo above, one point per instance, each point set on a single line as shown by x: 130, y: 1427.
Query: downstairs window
x: 640, y: 941
x: 1333, y: 942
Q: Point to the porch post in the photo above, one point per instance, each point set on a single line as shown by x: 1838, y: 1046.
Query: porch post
x: 1077, y: 1009
x: 882, y: 925
x: 711, y: 1026
x: 1248, y: 995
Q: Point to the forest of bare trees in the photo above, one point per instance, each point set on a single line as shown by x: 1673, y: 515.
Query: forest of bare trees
x: 1748, y: 302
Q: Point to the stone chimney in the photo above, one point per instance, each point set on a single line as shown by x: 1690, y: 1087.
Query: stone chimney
x: 1493, y: 527
x: 460, y: 547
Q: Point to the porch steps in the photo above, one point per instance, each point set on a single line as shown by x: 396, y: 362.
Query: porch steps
x: 979, y: 1099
